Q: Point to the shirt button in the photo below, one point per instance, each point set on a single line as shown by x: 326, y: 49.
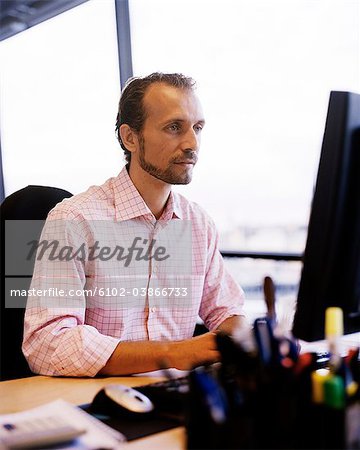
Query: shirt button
x: 155, y: 269
x: 153, y: 309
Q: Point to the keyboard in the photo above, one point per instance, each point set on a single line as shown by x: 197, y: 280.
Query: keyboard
x: 169, y: 397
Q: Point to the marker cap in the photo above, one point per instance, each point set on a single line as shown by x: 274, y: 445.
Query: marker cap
x: 334, y: 322
x: 334, y: 392
x: 318, y: 378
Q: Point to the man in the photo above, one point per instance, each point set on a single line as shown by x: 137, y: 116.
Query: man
x: 132, y: 330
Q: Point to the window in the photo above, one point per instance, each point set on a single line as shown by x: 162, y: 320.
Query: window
x: 264, y: 71
x: 59, y: 92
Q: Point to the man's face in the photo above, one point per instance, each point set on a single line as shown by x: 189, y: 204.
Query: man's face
x: 170, y: 138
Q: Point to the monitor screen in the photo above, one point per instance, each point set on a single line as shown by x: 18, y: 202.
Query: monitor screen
x: 331, y: 265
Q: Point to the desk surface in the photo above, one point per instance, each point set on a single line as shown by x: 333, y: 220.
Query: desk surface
x: 25, y: 393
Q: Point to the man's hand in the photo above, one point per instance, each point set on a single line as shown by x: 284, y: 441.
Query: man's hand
x: 146, y: 356
x: 185, y: 355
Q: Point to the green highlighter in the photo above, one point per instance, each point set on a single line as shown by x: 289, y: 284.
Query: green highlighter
x: 334, y: 392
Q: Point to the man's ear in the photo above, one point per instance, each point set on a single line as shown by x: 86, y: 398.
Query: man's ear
x: 129, y: 138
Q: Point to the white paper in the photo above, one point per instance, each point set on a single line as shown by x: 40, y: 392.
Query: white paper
x: 98, y: 435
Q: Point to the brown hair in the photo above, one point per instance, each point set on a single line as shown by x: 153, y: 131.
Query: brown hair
x: 131, y: 109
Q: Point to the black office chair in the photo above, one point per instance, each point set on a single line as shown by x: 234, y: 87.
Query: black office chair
x: 29, y: 203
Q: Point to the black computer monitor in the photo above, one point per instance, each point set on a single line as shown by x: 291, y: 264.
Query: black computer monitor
x: 331, y: 264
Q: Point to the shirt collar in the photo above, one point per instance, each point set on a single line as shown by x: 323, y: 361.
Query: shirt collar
x: 172, y: 208
x: 129, y: 204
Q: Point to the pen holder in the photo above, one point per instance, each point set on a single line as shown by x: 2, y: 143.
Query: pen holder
x: 210, y: 422
x: 246, y: 404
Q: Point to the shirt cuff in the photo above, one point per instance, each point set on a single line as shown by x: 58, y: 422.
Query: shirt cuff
x: 84, y: 355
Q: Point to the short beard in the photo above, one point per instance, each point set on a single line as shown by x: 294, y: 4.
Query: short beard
x: 168, y: 175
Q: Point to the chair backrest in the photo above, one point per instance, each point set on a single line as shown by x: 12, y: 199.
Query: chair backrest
x: 29, y: 203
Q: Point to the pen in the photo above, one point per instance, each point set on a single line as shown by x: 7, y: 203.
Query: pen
x: 334, y: 328
x: 264, y: 339
x: 269, y: 293
x: 334, y: 392
x: 353, y: 361
x: 213, y: 395
x: 304, y: 361
x: 318, y: 378
x: 344, y: 370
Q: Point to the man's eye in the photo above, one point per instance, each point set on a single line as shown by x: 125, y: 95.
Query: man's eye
x: 198, y: 128
x: 174, y: 127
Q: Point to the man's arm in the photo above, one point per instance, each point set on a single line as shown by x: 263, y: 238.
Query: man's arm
x: 146, y: 356
x: 232, y: 324
x: 57, y: 340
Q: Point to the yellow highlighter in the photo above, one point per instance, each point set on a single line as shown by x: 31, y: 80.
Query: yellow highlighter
x: 334, y: 329
x: 318, y: 378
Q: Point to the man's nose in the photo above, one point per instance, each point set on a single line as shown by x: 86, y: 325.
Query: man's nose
x: 191, y: 141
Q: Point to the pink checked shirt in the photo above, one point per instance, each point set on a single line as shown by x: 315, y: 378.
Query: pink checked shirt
x: 79, y: 308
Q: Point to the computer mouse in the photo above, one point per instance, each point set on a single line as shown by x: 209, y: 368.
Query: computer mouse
x: 120, y: 400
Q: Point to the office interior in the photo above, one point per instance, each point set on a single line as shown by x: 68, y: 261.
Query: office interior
x: 264, y: 73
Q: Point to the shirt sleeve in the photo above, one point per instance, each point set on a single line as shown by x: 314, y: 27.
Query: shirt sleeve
x: 222, y: 295
x: 57, y: 340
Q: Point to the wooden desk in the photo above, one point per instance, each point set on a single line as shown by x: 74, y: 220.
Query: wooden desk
x: 25, y: 393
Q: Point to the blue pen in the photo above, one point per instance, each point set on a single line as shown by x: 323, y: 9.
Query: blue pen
x: 264, y: 339
x: 213, y: 395
x: 273, y: 349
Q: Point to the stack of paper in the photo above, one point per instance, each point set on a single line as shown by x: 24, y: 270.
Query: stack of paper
x: 46, y: 421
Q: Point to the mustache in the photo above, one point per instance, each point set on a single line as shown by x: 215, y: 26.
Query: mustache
x: 190, y: 157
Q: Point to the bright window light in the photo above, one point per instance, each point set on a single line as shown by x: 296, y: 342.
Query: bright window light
x: 59, y: 92
x: 264, y: 71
